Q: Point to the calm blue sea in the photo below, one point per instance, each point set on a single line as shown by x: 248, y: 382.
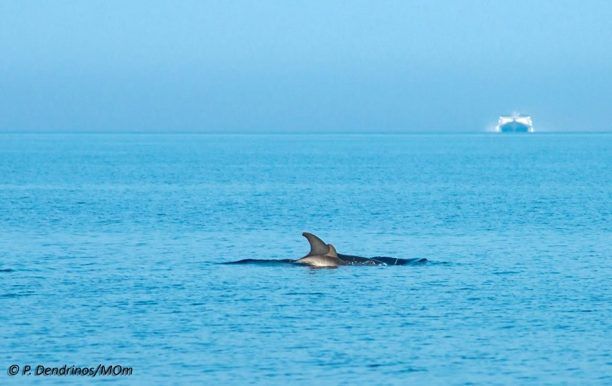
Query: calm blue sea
x: 110, y: 248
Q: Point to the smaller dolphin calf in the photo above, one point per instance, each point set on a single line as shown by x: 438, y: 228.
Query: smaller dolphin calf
x: 316, y: 258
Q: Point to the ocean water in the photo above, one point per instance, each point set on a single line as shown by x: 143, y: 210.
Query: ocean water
x: 110, y: 247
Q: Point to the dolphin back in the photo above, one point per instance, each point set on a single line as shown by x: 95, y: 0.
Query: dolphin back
x: 261, y: 261
x: 380, y: 260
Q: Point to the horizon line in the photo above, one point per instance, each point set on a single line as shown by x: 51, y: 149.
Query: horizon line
x: 272, y: 132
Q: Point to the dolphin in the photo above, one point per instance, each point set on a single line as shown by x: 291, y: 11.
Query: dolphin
x: 324, y: 255
x: 316, y: 258
x: 318, y: 245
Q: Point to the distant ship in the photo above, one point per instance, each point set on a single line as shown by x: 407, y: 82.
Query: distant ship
x: 514, y: 123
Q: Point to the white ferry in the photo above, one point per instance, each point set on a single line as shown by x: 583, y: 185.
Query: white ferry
x: 514, y: 123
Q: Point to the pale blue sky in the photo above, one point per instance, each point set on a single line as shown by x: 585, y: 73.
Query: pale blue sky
x: 234, y: 66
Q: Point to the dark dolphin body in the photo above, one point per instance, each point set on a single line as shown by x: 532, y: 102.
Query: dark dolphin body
x: 317, y: 246
x: 380, y: 260
x: 350, y: 260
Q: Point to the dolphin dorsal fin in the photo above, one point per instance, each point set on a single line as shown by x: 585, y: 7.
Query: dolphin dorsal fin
x: 332, y: 251
x: 317, y: 246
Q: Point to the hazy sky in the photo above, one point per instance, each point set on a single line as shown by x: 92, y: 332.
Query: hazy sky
x: 233, y: 66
